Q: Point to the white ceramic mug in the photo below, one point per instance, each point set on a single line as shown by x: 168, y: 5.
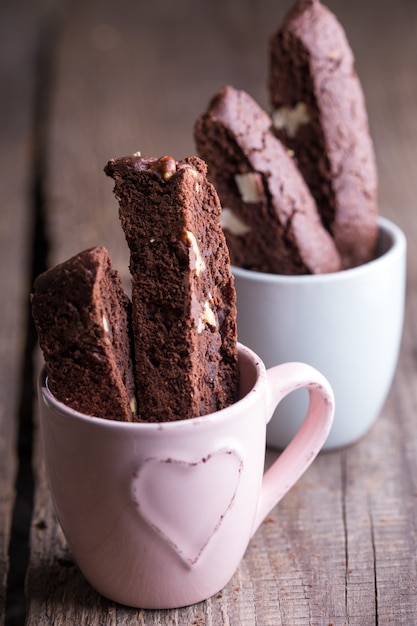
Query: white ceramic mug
x: 346, y: 324
x: 159, y: 515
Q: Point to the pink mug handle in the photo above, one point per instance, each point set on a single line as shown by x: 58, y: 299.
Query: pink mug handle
x: 307, y: 443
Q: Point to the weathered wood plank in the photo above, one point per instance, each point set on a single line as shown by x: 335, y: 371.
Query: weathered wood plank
x: 340, y: 548
x: 18, y: 40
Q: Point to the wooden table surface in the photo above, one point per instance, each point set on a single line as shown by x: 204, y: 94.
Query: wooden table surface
x: 88, y: 80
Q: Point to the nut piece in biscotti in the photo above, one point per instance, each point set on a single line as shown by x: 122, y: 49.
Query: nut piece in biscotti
x: 83, y: 319
x: 184, y: 311
x: 269, y: 217
x: 318, y: 111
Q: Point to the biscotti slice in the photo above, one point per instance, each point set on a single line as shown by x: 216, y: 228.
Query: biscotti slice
x: 269, y: 217
x: 183, y: 298
x: 319, y: 112
x: 83, y: 319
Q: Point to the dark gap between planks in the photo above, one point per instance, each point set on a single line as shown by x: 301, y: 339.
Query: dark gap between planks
x: 19, y: 549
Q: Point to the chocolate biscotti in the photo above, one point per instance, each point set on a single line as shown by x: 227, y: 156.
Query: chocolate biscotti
x: 83, y: 320
x: 269, y: 216
x: 319, y: 113
x: 184, y: 315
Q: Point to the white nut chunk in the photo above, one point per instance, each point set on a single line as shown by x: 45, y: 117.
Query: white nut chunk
x: 105, y: 324
x: 290, y: 120
x: 133, y: 405
x: 207, y: 317
x: 106, y: 328
x: 250, y: 186
x: 231, y: 222
x: 191, y: 241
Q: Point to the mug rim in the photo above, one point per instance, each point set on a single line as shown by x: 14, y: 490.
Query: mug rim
x: 47, y: 398
x: 396, y: 247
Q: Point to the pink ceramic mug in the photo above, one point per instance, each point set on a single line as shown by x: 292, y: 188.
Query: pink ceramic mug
x: 160, y: 515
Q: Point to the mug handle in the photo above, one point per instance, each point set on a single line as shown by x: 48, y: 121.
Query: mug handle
x: 307, y: 443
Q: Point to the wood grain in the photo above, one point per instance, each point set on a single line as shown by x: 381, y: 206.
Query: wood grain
x: 341, y: 547
x: 18, y: 43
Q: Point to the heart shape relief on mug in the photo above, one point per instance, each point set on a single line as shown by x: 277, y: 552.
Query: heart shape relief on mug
x: 185, y: 502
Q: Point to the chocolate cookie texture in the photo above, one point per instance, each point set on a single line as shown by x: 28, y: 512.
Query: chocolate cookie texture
x: 184, y: 310
x: 319, y: 113
x: 269, y: 217
x: 82, y: 316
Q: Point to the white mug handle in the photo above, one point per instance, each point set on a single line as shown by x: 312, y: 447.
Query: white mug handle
x: 307, y: 443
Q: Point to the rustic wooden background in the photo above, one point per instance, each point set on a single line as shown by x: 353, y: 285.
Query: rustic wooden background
x: 85, y: 80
